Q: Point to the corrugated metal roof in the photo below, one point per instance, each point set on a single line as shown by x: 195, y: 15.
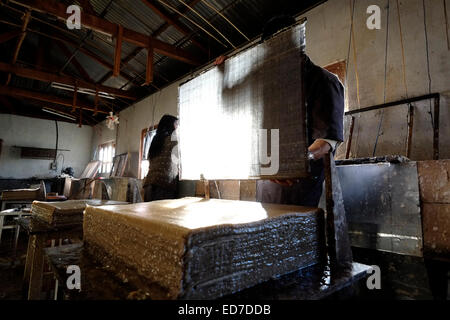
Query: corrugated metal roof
x: 248, y: 16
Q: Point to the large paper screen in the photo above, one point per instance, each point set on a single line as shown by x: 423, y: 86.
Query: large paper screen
x: 246, y: 118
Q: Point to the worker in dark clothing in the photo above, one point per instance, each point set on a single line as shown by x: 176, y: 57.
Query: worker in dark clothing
x: 325, y: 105
x: 325, y: 109
x: 161, y: 181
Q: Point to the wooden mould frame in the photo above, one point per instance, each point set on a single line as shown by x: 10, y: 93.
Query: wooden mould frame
x: 305, y: 170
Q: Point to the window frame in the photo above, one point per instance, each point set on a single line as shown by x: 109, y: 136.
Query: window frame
x: 141, y: 147
x: 104, y: 146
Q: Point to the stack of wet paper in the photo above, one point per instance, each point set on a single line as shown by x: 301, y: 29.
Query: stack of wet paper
x: 67, y: 212
x: 194, y: 248
x: 20, y: 194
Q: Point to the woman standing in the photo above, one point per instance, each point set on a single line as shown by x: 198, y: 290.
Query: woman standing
x: 162, y: 178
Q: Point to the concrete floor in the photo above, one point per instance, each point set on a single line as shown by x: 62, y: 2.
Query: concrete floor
x: 11, y: 270
x: 403, y: 277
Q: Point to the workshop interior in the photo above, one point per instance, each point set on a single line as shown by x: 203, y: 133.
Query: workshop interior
x: 217, y: 150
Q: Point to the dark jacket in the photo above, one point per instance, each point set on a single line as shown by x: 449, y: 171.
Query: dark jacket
x: 325, y: 104
x: 163, y: 170
x: 325, y: 107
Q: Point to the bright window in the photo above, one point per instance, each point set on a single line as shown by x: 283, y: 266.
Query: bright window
x: 106, y: 154
x: 146, y: 139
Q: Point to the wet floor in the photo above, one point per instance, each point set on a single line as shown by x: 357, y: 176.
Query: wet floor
x: 11, y: 269
x: 402, y: 277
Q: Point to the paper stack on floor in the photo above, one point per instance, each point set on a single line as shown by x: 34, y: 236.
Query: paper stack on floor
x: 194, y: 248
x: 21, y: 194
x: 67, y: 212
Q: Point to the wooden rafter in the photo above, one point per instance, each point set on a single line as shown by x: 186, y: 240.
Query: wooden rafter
x: 53, y: 107
x: 96, y: 100
x: 160, y: 30
x: 89, y: 54
x: 74, y: 100
x: 16, y: 92
x: 124, y: 62
x: 74, y: 61
x: 92, y: 22
x: 58, y: 36
x: 22, y: 36
x: 80, y: 118
x: 118, y: 51
x: 149, y: 70
x: 67, y: 80
x: 173, y: 21
x: 21, y: 111
x: 175, y: 17
x: 87, y: 7
x: 4, y: 102
x: 4, y: 37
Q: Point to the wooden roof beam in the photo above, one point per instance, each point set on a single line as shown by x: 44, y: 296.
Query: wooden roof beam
x: 16, y: 92
x: 41, y: 105
x: 150, y: 66
x: 172, y: 21
x: 26, y: 19
x: 175, y: 17
x: 87, y: 6
x: 4, y: 37
x: 125, y: 61
x: 160, y: 30
x: 88, y: 53
x: 92, y: 22
x: 67, y: 80
x: 118, y: 51
x: 74, y: 62
x: 24, y: 113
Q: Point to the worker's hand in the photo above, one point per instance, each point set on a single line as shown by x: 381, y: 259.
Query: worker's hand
x: 284, y: 183
x: 220, y: 60
x: 319, y: 149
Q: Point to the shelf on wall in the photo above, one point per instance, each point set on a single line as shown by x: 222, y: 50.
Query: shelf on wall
x: 37, y: 153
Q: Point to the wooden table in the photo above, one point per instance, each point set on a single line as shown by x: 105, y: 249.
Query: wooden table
x: 11, y: 213
x: 98, y: 283
x: 21, y: 202
x: 39, y: 232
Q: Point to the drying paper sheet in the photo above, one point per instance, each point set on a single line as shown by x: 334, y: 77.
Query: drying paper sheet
x: 245, y: 119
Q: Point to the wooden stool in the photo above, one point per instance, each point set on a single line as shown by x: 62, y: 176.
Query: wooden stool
x: 39, y: 233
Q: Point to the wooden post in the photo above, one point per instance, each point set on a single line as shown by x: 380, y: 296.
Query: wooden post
x: 206, y: 187
x: 338, y: 242
x: 28, y: 264
x: 74, y: 101
x: 207, y: 192
x: 350, y: 138
x: 96, y: 103
x: 118, y: 51
x: 37, y: 266
x: 149, y: 71
x: 436, y: 128
x: 410, y: 131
